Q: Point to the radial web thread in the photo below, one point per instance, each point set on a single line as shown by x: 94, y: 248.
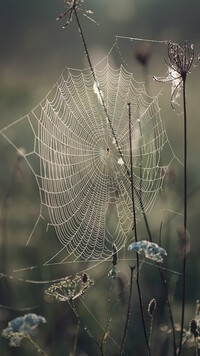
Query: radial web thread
x: 82, y: 178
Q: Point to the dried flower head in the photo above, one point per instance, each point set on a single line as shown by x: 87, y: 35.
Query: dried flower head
x: 74, y: 5
x: 70, y: 288
x: 191, y: 336
x: 180, y: 59
x: 193, y: 327
x: 21, y: 327
x: 179, y: 62
x: 150, y: 249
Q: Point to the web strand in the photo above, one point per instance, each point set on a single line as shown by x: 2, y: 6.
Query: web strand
x: 80, y: 176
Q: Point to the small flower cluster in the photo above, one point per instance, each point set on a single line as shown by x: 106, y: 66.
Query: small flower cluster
x: 150, y: 249
x: 21, y: 327
x: 70, y: 288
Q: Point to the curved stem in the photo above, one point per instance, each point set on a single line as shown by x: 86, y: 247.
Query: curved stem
x: 39, y: 350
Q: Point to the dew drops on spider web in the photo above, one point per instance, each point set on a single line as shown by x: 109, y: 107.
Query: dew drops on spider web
x: 80, y: 133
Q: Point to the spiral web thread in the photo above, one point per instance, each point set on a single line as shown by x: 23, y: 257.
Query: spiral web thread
x: 82, y: 179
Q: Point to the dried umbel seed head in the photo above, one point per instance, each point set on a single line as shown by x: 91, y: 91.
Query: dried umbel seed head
x: 180, y: 58
x: 179, y: 62
x: 70, y: 287
x: 194, y: 328
x: 73, y: 6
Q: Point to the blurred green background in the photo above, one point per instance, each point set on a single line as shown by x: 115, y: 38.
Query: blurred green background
x: 34, y: 49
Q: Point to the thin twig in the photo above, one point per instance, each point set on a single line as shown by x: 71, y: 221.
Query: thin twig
x: 128, y: 310
x: 162, y: 275
x: 99, y: 91
x: 164, y: 281
x: 163, y: 278
x: 109, y: 318
x: 76, y: 338
x: 168, y: 305
x: 135, y: 230
x: 89, y: 333
x: 184, y: 213
x: 39, y: 350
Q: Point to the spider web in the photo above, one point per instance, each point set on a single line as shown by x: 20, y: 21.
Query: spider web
x: 82, y: 178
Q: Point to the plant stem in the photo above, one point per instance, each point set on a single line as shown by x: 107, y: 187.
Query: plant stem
x: 81, y: 322
x: 128, y: 311
x: 163, y: 278
x: 109, y: 318
x: 168, y: 305
x: 158, y: 265
x: 99, y: 91
x: 185, y: 211
x: 196, y: 346
x: 135, y: 229
x: 39, y: 350
x: 133, y: 190
x: 76, y: 338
